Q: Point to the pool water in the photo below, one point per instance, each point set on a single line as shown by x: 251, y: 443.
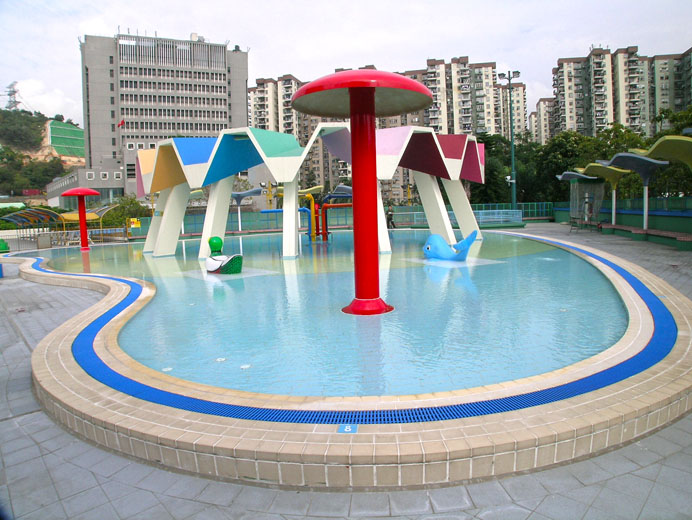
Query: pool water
x: 516, y: 308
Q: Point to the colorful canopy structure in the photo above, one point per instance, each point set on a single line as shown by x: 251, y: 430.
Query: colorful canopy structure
x: 670, y: 148
x: 182, y: 164
x: 646, y: 167
x: 31, y: 217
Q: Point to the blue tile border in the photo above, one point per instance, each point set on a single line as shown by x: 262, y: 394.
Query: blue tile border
x: 658, y: 347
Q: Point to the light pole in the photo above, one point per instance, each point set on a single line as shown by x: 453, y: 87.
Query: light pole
x: 511, y: 74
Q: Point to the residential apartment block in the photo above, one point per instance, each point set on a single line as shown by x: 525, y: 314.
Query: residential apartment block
x: 466, y: 99
x: 138, y: 90
x: 623, y: 87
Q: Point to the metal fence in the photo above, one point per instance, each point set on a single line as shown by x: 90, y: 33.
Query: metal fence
x: 24, y: 239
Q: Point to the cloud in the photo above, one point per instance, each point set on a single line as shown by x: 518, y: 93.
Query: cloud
x: 309, y: 38
x: 35, y: 95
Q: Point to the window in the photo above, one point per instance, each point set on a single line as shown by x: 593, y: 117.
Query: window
x: 112, y: 73
x: 130, y: 146
x: 112, y: 100
x: 152, y: 145
x: 110, y: 60
x: 90, y: 176
x: 140, y: 146
x: 117, y: 175
x: 104, y: 176
x: 113, y: 141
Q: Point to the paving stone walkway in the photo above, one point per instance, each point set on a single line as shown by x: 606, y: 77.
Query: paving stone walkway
x: 46, y: 473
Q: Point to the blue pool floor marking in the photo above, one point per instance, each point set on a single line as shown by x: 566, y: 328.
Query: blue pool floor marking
x: 658, y: 347
x: 347, y: 428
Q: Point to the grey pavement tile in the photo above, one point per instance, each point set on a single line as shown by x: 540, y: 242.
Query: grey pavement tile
x: 681, y: 461
x: 676, y: 435
x: 485, y: 494
x: 530, y: 504
x: 114, y: 489
x: 369, y: 504
x: 28, y: 469
x: 61, y: 440
x: 181, y: 508
x: 91, y: 458
x: 447, y: 516
x: 291, y: 503
x: 561, y: 508
x: 639, y: 454
x: 557, y: 480
x: 21, y: 456
x: 252, y: 515
x: 585, y: 495
x: 666, y: 497
x: 675, y: 478
x: 134, y: 503
x: 70, y: 480
x: 655, y: 512
x: 588, y: 472
x: 630, y: 485
x: 619, y: 504
x: 210, y: 513
x: 219, y: 493
x: 16, y: 444
x: 187, y: 487
x: 330, y: 504
x: 409, y: 503
x: 54, y: 511
x: 252, y: 498
x: 29, y: 484
x: 109, y: 465
x: 537, y: 516
x: 157, y: 481
x: 649, y: 472
x: 32, y: 500
x: 448, y: 499
x: 524, y: 486
x: 132, y: 473
x: 84, y: 501
x: 158, y: 512
x: 659, y: 445
x: 615, y: 463
x: 104, y: 512
x: 504, y: 512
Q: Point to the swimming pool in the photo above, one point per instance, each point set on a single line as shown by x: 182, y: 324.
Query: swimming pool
x: 517, y: 308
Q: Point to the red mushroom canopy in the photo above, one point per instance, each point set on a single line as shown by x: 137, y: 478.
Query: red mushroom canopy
x: 329, y: 96
x: 76, y: 192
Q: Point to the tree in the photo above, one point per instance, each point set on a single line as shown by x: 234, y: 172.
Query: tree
x: 677, y: 121
x: 21, y: 129
x: 128, y: 207
x: 59, y: 117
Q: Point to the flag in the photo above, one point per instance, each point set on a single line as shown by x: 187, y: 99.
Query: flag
x: 122, y: 123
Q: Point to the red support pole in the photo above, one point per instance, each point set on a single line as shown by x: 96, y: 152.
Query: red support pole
x: 364, y: 178
x: 82, y: 223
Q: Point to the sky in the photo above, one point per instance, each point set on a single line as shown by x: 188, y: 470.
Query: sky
x: 39, y: 40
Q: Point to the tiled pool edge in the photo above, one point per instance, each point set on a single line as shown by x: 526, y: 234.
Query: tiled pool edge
x: 378, y: 456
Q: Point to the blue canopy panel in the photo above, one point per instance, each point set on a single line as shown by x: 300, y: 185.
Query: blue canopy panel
x: 235, y: 154
x: 194, y: 150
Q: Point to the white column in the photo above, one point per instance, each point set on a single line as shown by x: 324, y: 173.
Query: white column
x: 172, y: 220
x: 155, y: 224
x: 382, y: 231
x: 612, y: 211
x: 217, y: 214
x: 290, y: 219
x: 434, y: 206
x: 646, y: 207
x: 462, y: 208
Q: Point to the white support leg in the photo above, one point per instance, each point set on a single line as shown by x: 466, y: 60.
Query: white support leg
x: 646, y: 207
x: 462, y: 208
x: 434, y: 206
x: 290, y: 219
x: 155, y: 225
x: 217, y: 214
x: 612, y: 211
x: 382, y: 232
x: 172, y: 220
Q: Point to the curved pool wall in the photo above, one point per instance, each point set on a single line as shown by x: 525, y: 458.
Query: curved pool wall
x: 638, y: 385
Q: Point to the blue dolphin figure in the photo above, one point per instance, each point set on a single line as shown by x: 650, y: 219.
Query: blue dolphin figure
x: 437, y: 248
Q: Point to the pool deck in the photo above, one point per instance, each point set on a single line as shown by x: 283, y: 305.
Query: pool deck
x: 48, y: 473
